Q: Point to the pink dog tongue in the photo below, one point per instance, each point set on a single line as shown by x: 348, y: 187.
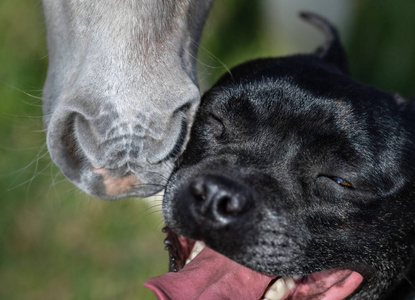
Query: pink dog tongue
x: 210, y: 275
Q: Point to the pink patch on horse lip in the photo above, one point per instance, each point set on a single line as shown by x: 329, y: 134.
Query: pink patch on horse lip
x: 117, y: 185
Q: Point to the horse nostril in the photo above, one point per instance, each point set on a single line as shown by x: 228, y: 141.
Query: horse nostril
x: 172, y: 145
x: 64, y: 148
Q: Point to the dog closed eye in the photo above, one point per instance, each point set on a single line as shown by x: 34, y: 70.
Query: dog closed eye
x: 340, y: 181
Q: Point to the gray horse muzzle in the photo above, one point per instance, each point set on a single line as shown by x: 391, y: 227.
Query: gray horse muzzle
x: 111, y: 155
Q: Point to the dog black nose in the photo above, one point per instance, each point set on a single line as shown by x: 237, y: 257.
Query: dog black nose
x: 218, y: 199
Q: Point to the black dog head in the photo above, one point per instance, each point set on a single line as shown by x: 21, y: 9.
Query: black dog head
x: 294, y: 168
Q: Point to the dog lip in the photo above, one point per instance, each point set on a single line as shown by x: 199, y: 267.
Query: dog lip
x: 335, y: 283
x: 338, y: 282
x: 179, y: 249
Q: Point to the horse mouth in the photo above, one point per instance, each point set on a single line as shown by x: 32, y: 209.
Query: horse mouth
x: 198, y: 272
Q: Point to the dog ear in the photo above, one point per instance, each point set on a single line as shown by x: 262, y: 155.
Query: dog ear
x: 332, y: 50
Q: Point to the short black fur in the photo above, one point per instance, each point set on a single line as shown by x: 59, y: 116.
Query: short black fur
x: 318, y: 169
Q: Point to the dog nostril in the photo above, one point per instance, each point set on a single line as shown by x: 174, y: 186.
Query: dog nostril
x: 231, y: 205
x: 198, y: 190
x: 218, y: 199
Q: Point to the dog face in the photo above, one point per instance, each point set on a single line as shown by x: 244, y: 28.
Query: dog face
x: 295, y: 169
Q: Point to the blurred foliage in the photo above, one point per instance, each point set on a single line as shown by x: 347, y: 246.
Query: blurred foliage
x: 57, y: 243
x: 382, y: 45
x: 230, y: 39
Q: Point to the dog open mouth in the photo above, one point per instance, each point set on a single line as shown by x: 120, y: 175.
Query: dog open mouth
x: 198, y: 272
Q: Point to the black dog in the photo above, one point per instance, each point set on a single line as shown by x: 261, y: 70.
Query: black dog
x: 296, y: 170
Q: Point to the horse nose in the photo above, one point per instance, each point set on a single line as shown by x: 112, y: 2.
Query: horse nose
x: 112, y: 153
x: 218, y: 199
x: 105, y: 157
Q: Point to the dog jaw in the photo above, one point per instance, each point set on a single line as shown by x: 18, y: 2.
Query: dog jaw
x: 209, y: 275
x: 341, y: 283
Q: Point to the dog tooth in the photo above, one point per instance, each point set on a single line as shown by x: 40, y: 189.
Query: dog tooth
x: 197, y: 248
x: 289, y: 282
x: 280, y: 287
x: 297, y: 277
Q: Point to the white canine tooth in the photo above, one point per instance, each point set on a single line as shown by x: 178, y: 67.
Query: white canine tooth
x: 197, y: 248
x: 280, y: 287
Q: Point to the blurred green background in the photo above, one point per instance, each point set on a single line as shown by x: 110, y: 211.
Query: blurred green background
x: 56, y: 242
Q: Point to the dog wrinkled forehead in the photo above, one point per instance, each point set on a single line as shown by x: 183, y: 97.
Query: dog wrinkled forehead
x: 284, y: 100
